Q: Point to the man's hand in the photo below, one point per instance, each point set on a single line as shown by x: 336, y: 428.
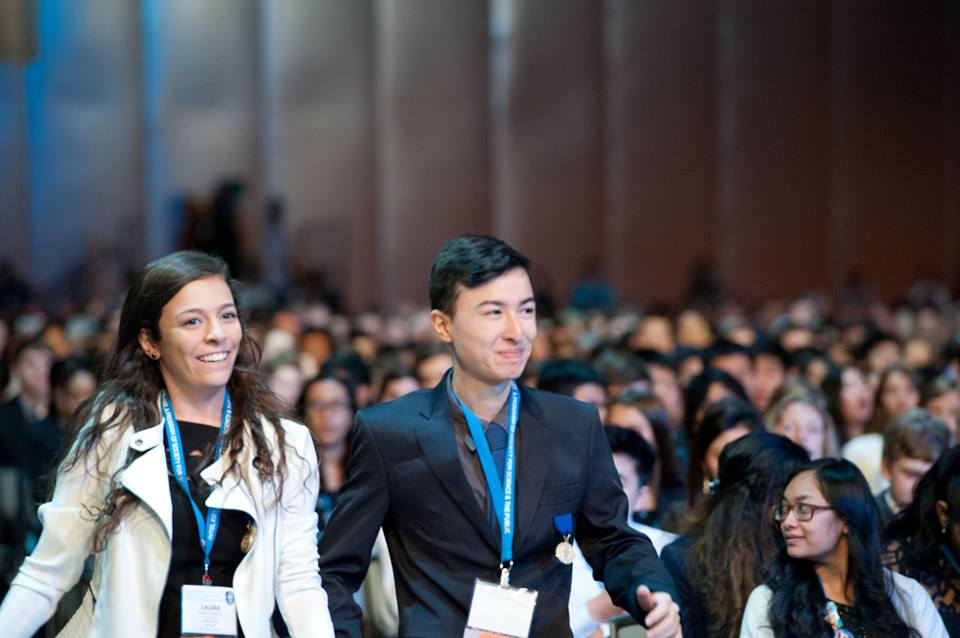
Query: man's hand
x: 663, y: 615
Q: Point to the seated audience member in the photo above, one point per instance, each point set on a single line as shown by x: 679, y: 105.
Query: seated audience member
x: 826, y: 577
x: 431, y: 364
x: 849, y: 401
x: 590, y: 606
x: 285, y: 380
x: 735, y: 360
x: 800, y: 417
x: 912, y: 443
x: 397, y: 382
x: 639, y: 410
x: 770, y: 364
x: 728, y: 536
x: 812, y: 365
x: 689, y: 363
x: 706, y: 388
x: 878, y: 351
x: 664, y: 383
x: 575, y: 379
x: 654, y: 332
x: 924, y: 539
x: 350, y: 367
x: 326, y: 406
x: 940, y: 396
x: 28, y: 439
x: 723, y: 423
x: 621, y: 369
x: 897, y: 392
x: 72, y: 381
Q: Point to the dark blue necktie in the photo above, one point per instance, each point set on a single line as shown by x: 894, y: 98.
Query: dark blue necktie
x: 497, y: 440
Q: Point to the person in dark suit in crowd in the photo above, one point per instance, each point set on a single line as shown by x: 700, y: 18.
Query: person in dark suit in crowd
x: 416, y: 471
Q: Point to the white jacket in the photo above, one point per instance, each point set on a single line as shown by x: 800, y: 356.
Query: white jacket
x: 131, y: 572
x: 911, y: 600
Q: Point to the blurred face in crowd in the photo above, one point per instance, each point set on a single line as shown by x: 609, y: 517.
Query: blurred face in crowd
x: 917, y: 353
x: 819, y: 539
x: 33, y: 372
x: 595, y: 395
x: 491, y: 329
x: 687, y: 369
x: 56, y: 337
x: 711, y: 459
x: 326, y: 411
x: 946, y: 407
x: 769, y: 375
x: 641, y: 497
x: 740, y: 367
x: 286, y: 382
x: 883, y: 355
x: 803, y: 424
x: 398, y: 387
x: 654, y: 333
x: 693, y: 330
x: 77, y: 389
x: 898, y: 394
x: 667, y: 389
x: 317, y: 346
x: 432, y: 369
x: 795, y: 338
x: 632, y: 418
x: 200, y: 336
x: 903, y: 474
x: 855, y: 404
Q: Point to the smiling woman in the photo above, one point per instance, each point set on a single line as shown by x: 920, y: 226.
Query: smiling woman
x: 827, y: 579
x: 179, y: 461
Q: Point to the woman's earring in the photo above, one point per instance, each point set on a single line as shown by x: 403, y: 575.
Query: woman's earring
x: 154, y: 356
x: 943, y: 530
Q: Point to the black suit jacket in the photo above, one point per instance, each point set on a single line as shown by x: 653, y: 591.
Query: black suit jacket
x: 404, y: 474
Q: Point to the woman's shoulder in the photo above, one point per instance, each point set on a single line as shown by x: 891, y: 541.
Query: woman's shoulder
x: 915, y: 606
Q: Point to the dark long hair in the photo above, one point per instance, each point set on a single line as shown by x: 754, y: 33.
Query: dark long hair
x: 719, y: 417
x: 917, y: 527
x: 132, y: 383
x: 733, y: 529
x: 329, y: 375
x: 798, y: 602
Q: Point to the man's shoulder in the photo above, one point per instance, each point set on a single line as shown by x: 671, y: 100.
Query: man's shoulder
x: 560, y: 407
x: 393, y: 413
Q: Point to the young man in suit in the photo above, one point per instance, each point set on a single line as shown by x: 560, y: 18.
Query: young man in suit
x: 416, y: 471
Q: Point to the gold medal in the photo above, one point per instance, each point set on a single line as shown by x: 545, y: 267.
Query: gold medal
x: 247, y: 541
x: 564, y: 551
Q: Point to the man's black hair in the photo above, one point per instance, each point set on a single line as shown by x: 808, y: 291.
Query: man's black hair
x: 655, y: 358
x: 772, y: 349
x: 625, y: 441
x: 470, y: 261
x: 563, y: 376
x: 725, y: 348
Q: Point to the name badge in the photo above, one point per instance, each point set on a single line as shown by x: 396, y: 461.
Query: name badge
x: 497, y: 611
x: 207, y: 611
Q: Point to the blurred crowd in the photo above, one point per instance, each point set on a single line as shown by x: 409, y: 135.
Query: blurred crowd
x: 851, y: 377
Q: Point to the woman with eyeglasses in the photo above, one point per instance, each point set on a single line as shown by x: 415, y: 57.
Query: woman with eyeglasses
x: 327, y: 405
x: 827, y: 579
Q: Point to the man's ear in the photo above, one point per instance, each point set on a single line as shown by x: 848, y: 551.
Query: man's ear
x: 147, y: 344
x: 441, y: 323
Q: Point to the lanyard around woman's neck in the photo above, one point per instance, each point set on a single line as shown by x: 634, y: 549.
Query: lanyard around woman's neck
x: 207, y: 528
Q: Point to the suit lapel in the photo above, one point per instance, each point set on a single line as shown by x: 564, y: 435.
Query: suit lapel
x: 438, y: 441
x: 533, y: 463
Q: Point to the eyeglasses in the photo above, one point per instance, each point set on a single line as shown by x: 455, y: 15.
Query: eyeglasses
x: 803, y: 511
x: 327, y: 406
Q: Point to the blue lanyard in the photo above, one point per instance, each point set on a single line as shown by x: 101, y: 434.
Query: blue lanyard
x: 501, y: 493
x: 206, y: 528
